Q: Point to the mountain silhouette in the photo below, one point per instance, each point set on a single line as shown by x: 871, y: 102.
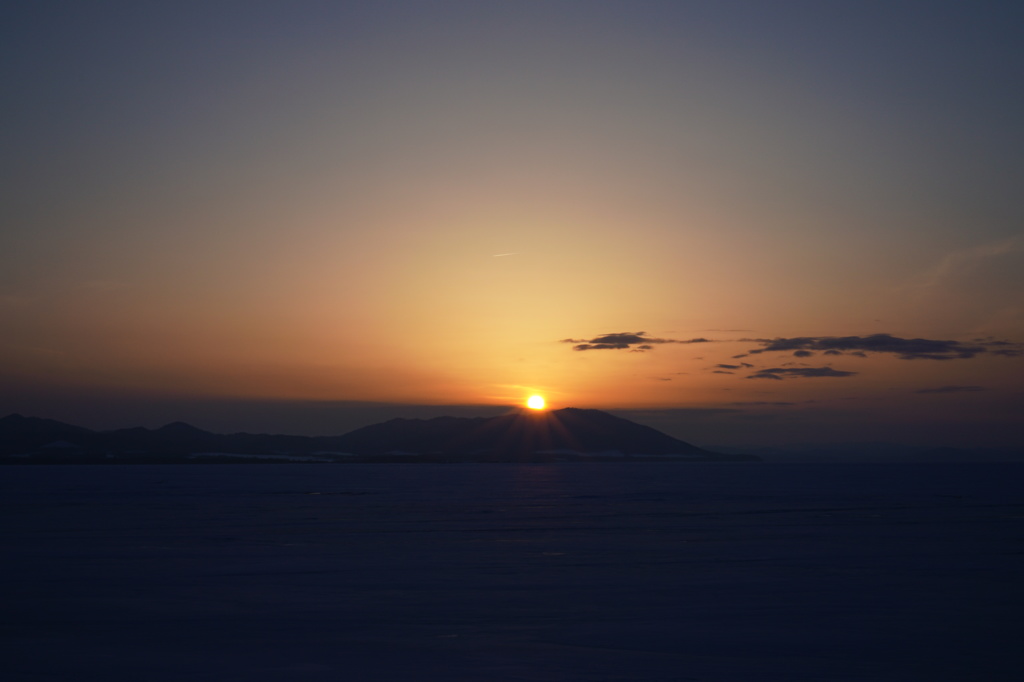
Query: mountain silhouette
x: 568, y: 433
x: 521, y: 433
x: 18, y: 433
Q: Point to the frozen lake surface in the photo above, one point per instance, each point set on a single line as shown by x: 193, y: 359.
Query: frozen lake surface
x: 631, y: 572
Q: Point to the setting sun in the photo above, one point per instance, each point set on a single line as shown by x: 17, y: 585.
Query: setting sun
x: 535, y: 402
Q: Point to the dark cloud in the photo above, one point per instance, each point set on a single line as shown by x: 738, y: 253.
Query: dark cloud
x: 722, y: 371
x: 763, y: 403
x: 999, y: 347
x: 952, y: 389
x: 906, y: 349
x: 799, y: 372
x: 803, y: 353
x: 635, y: 341
x: 728, y: 366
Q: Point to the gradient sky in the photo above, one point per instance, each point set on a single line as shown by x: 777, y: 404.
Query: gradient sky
x: 306, y: 216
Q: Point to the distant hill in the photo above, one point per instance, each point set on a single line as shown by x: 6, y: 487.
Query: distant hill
x: 19, y: 433
x: 522, y: 434
x: 567, y: 434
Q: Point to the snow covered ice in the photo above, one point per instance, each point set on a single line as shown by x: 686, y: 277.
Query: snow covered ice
x: 610, y: 571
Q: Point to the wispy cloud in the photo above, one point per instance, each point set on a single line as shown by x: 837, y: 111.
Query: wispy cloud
x: 952, y: 389
x: 634, y: 341
x: 965, y: 260
x: 739, y: 366
x: 906, y: 349
x: 779, y: 373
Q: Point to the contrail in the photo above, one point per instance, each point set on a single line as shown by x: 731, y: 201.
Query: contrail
x: 510, y: 253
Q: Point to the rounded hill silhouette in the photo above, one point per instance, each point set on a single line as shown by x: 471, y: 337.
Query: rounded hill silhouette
x: 520, y: 435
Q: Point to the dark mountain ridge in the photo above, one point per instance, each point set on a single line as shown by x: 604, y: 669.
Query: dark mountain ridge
x: 569, y: 433
x: 518, y: 433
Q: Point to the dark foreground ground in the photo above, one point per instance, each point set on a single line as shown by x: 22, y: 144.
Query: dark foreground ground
x: 638, y: 572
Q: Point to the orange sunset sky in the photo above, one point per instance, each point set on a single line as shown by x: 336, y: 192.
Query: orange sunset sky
x: 797, y: 221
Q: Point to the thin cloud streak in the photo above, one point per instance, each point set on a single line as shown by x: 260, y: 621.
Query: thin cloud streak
x: 637, y: 342
x: 952, y: 389
x: 969, y: 259
x: 905, y: 349
x: 779, y: 373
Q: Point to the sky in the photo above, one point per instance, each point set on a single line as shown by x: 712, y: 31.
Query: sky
x: 739, y: 222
